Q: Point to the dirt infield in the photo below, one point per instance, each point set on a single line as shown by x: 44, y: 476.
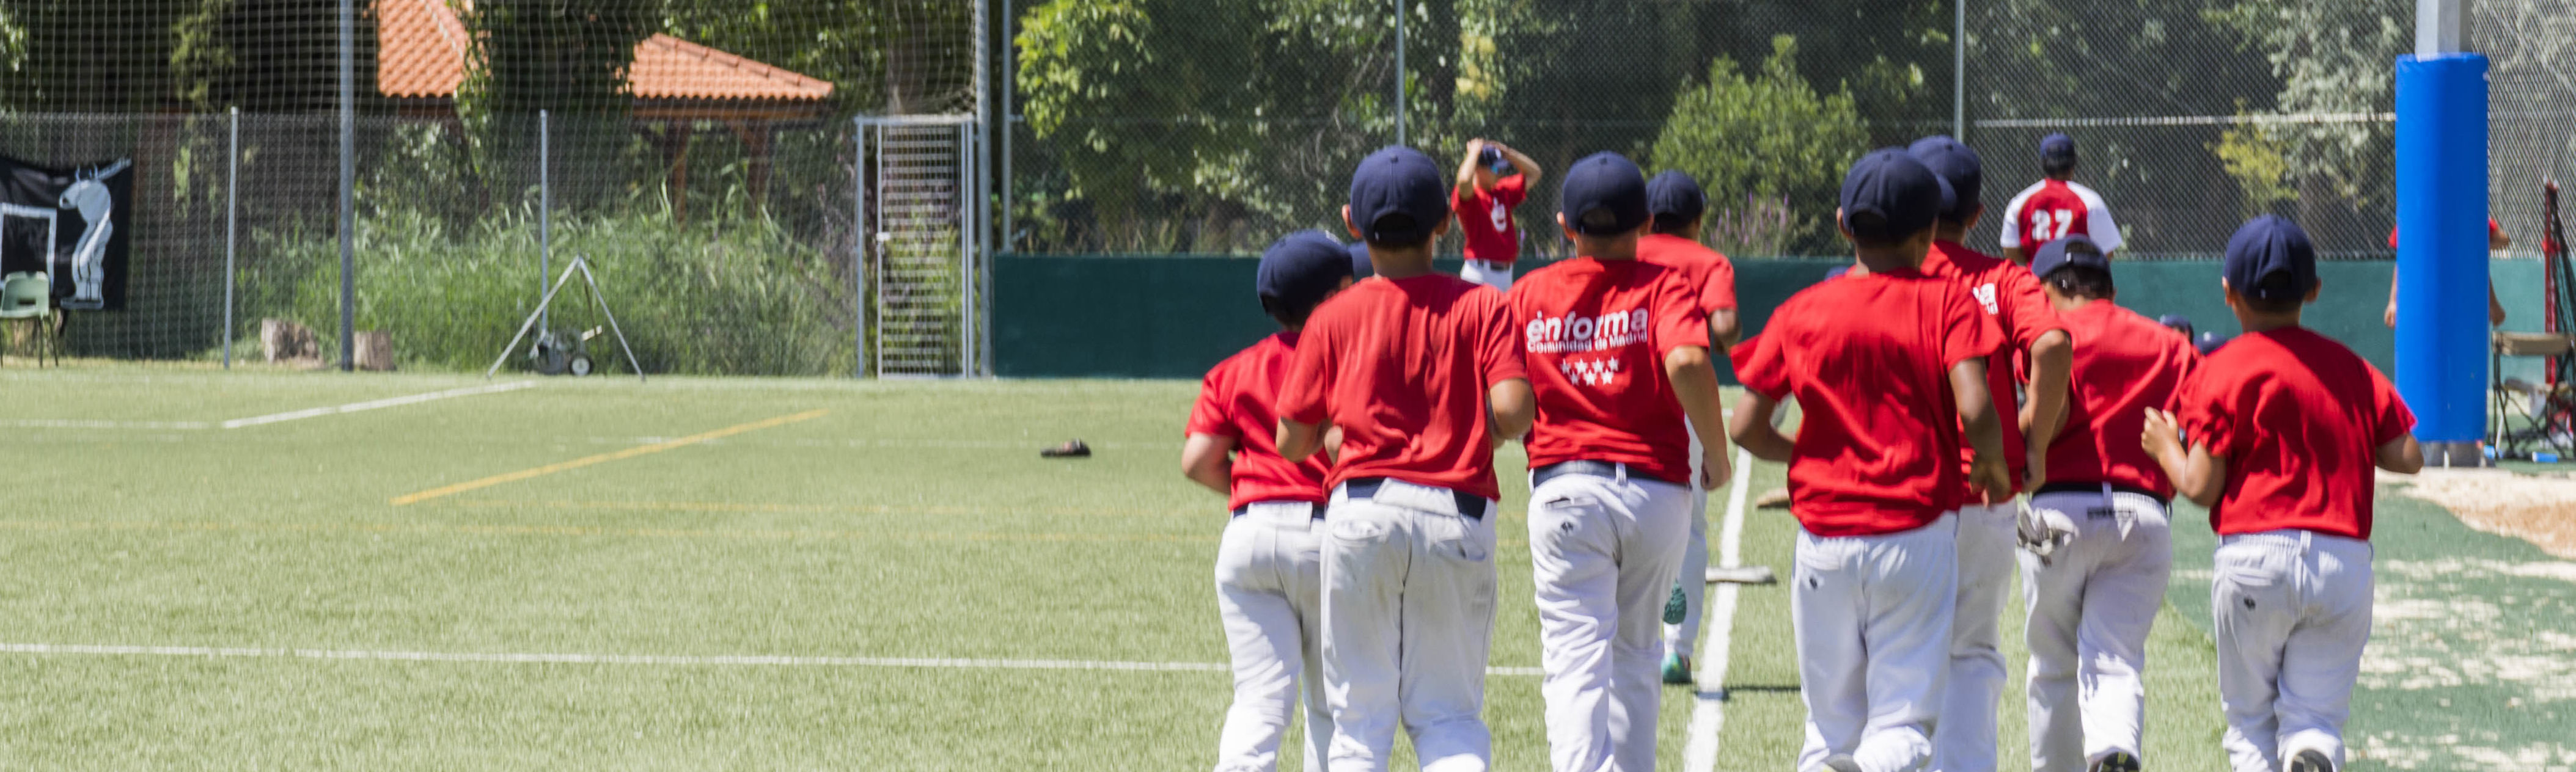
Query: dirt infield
x: 2540, y: 509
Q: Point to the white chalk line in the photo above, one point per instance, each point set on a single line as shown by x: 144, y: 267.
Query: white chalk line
x: 376, y: 404
x: 80, y: 423
x: 667, y: 660
x: 1708, y: 711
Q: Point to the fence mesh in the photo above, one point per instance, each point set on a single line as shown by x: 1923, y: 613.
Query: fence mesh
x: 703, y: 157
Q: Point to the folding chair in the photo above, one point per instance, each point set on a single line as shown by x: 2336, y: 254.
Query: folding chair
x: 2527, y: 415
x: 29, y: 296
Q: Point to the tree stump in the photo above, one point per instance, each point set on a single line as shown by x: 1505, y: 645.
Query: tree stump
x: 375, y: 351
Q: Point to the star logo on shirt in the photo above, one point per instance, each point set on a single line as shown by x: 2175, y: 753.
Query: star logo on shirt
x: 1592, y: 372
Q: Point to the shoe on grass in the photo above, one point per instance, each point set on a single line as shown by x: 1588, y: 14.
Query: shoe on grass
x: 1841, y: 762
x: 1677, y: 669
x: 2116, y: 761
x: 1070, y: 449
x: 2311, y: 760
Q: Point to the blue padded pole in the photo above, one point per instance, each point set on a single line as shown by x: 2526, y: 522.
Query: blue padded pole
x: 2442, y: 244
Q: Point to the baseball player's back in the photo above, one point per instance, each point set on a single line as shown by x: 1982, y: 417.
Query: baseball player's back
x: 2049, y: 210
x: 1706, y: 270
x: 2278, y: 433
x: 1235, y: 401
x: 1401, y: 365
x: 2124, y: 364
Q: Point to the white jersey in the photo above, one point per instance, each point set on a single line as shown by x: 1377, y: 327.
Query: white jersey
x: 2049, y: 210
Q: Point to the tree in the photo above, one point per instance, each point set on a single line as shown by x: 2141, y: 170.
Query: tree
x: 2332, y: 58
x: 1764, y: 138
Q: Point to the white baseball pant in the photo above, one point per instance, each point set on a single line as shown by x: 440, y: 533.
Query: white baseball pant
x: 2292, y: 611
x: 1692, y: 576
x: 2090, y: 611
x: 1491, y: 274
x: 1603, y: 551
x: 1408, y: 622
x: 1269, y: 592
x: 1872, y: 615
x: 1966, y: 741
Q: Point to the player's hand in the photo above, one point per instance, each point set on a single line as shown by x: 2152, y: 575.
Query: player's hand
x: 2036, y: 472
x: 2163, y: 433
x: 1991, y: 477
x: 1477, y: 145
x: 1715, y: 472
x: 2389, y: 317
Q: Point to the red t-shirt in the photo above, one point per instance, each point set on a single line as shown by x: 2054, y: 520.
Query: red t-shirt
x: 1704, y: 268
x: 2493, y: 230
x: 1595, y: 333
x: 2124, y: 364
x: 1868, y: 357
x: 1402, y: 365
x: 1235, y: 403
x: 2300, y: 420
x: 2008, y: 294
x: 1485, y: 219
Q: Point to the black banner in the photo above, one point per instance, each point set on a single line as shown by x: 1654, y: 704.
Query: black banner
x: 88, y: 210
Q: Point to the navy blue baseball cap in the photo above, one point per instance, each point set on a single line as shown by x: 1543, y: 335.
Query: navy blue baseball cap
x: 1397, y: 196
x: 2267, y: 247
x: 1958, y: 165
x: 1603, y: 195
x: 2076, y: 250
x: 2208, y: 342
x: 1360, y: 267
x: 1674, y: 193
x: 1900, y: 193
x: 2178, y: 322
x: 2057, y: 148
x: 1300, y: 270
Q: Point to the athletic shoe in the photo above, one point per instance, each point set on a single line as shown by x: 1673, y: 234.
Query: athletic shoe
x: 2118, y: 761
x: 1070, y: 449
x: 2311, y: 761
x: 1676, y: 607
x: 1841, y: 762
x: 1677, y: 669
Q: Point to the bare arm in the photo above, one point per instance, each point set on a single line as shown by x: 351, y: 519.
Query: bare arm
x: 1985, y: 433
x: 2016, y: 255
x: 1297, y: 441
x: 2196, y: 473
x: 1529, y: 169
x: 1751, y: 428
x: 2052, y: 359
x: 1512, y: 407
x: 1695, y: 384
x: 1723, y: 330
x: 1467, y: 165
x: 2401, y: 455
x: 1207, y: 460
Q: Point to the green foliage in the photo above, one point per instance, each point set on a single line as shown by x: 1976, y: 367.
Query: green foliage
x: 2330, y: 57
x: 1762, y: 138
x: 86, y: 56
x: 733, y: 297
x: 2260, y: 164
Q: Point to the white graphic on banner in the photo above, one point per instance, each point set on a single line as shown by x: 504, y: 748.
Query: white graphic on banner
x: 90, y: 198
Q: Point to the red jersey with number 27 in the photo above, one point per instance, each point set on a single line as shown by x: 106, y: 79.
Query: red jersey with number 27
x: 1235, y: 403
x: 2056, y: 209
x: 1868, y: 358
x: 1403, y: 366
x: 1596, y: 333
x: 2299, y: 419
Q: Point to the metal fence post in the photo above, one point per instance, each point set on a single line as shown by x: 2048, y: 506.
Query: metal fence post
x: 1399, y: 70
x: 545, y: 210
x: 859, y: 246
x: 232, y: 206
x: 348, y: 188
x: 1959, y: 70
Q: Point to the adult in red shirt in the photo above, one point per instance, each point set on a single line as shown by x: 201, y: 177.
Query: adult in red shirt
x: 1492, y: 180
x: 1422, y: 374
x: 1269, y: 570
x: 1617, y: 351
x: 2102, y: 545
x: 2496, y: 242
x: 1888, y: 365
x: 2284, y: 427
x: 2008, y: 294
x: 1676, y: 203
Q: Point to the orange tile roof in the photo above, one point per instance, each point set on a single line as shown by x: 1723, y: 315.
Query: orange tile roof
x: 422, y: 46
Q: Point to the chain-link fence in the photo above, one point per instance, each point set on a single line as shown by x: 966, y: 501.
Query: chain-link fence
x: 1171, y: 126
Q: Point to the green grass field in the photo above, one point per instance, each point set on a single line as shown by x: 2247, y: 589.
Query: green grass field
x: 178, y: 595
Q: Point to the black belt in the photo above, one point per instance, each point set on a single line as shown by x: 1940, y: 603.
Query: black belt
x: 1469, y: 504
x: 2096, y: 488
x: 1543, y: 474
x: 1247, y: 508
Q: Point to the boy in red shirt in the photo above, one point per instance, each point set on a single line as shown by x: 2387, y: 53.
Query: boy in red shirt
x: 1617, y: 351
x: 1269, y: 574
x: 2093, y: 588
x: 1483, y: 200
x: 2276, y: 433
x: 1676, y: 203
x: 1888, y: 364
x: 1422, y: 374
x: 2011, y: 297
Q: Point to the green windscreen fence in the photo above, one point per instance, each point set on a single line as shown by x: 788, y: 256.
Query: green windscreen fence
x: 1174, y: 316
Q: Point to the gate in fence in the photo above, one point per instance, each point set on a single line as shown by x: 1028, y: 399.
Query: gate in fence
x: 919, y: 194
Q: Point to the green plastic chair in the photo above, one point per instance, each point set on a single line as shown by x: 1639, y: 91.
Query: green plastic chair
x: 29, y: 296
